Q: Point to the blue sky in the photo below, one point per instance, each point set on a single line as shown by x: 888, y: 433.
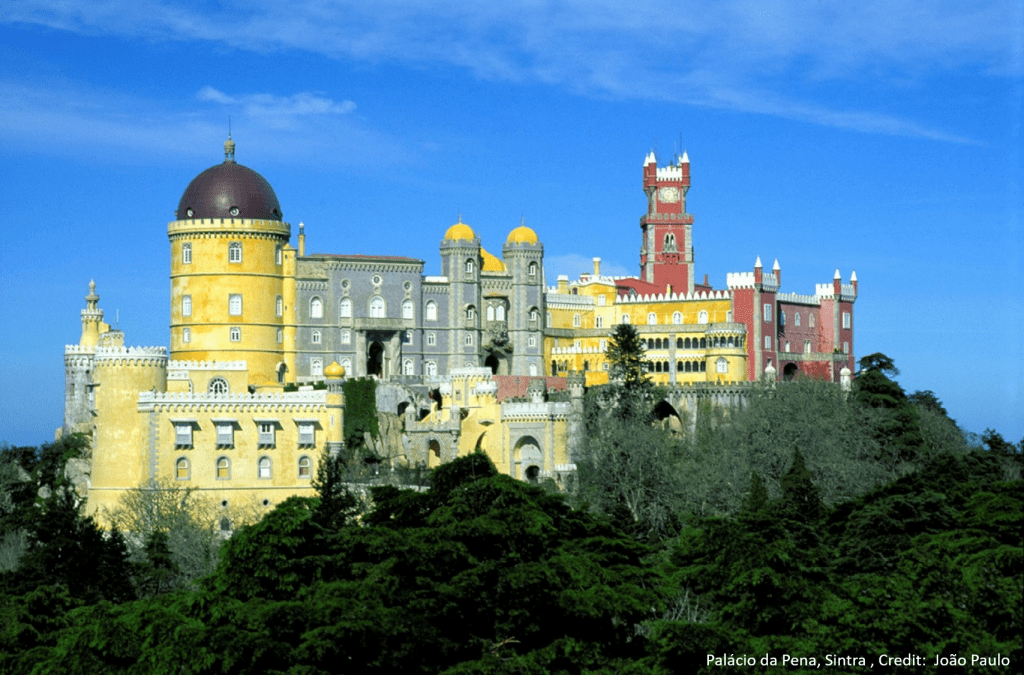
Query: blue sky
x: 881, y: 137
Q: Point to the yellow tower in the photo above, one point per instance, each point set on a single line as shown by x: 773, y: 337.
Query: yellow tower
x: 227, y: 271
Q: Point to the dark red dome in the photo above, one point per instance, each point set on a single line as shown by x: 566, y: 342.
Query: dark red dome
x: 229, y: 190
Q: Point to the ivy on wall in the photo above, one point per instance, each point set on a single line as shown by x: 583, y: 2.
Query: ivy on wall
x: 360, y: 411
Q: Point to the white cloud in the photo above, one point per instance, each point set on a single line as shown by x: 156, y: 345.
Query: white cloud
x: 274, y: 111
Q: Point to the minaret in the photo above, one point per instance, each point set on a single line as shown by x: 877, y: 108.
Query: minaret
x: 666, y: 252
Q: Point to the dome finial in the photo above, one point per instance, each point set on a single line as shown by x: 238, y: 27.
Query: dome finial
x: 229, y: 146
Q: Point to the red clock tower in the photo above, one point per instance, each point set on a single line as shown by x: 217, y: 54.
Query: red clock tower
x: 666, y: 254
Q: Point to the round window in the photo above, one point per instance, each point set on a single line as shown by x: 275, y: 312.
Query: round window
x: 189, y: 212
x: 234, y: 211
x: 407, y: 286
x: 377, y: 280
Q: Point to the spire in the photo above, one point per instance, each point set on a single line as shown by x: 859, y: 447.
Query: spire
x: 685, y: 158
x: 757, y: 263
x: 853, y: 277
x: 775, y: 267
x: 837, y: 275
x: 229, y: 150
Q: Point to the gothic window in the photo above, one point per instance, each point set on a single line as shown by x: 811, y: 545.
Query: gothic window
x: 469, y: 339
x: 235, y: 304
x: 625, y: 319
x: 598, y: 322
x: 722, y: 365
x: 548, y: 316
x: 702, y: 318
x: 407, y: 367
x: 576, y: 320
x: 346, y: 364
x: 407, y: 337
x: 810, y: 320
x: 601, y: 299
x: 407, y: 310
x: 490, y: 313
x: 279, y: 306
x: 782, y: 317
x: 532, y: 342
x: 533, y: 369
x: 796, y: 319
x: 186, y: 335
x: 677, y: 317
x: 679, y: 343
x: 470, y: 313
x: 181, y: 466
x: 431, y: 311
x: 767, y: 342
x: 345, y: 307
x: 316, y: 308
x: 278, y: 255
x: 531, y: 270
x: 235, y: 252
x: 186, y: 306
x: 847, y: 320
x: 217, y: 386
x: 377, y: 309
x: 316, y: 366
x: 186, y: 253
x: 264, y: 469
x: 470, y: 267
x: 534, y: 315
x: 223, y: 468
x: 431, y: 338
x: 236, y: 334
x: 603, y: 344
x: 431, y: 369
x: 305, y: 465
x: 280, y: 335
x: 316, y: 336
x: 670, y: 242
x: 499, y: 313
x: 652, y: 318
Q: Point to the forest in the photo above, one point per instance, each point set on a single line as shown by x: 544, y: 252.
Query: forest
x: 813, y: 531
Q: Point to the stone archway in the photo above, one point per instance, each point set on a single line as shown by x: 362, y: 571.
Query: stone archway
x: 790, y: 371
x: 528, y: 453
x: 375, y: 359
x: 497, y: 362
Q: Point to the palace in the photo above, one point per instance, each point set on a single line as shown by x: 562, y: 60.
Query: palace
x: 263, y: 337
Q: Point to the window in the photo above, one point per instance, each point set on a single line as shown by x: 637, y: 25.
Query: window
x: 787, y: 346
x: 346, y: 364
x: 677, y: 317
x: 796, y: 319
x: 490, y: 313
x: 431, y: 369
x: 263, y: 468
x: 722, y: 365
x: 316, y: 308
x: 533, y: 369
x: 225, y: 433
x: 280, y: 335
x: 316, y: 366
x: 598, y: 322
x: 316, y: 336
x: 305, y: 466
x: 531, y: 270
x: 625, y: 319
x: 470, y: 267
x: 407, y: 311
x: 577, y: 345
x: 702, y: 318
x: 576, y: 320
x: 468, y: 340
x: 810, y: 320
x: 603, y: 345
x: 431, y: 311
x: 279, y: 306
x: 407, y: 337
x: 235, y: 252
x: 846, y: 347
x: 236, y: 334
x: 767, y: 312
x: 652, y: 318
x: 266, y: 434
x: 499, y: 313
x: 407, y: 367
x: 186, y: 254
x: 217, y: 386
x: 533, y: 314
x: 377, y: 309
x: 181, y: 467
x: 470, y: 313
x: 600, y: 299
x: 186, y: 335
x: 346, y: 336
x: 278, y: 255
x: 345, y: 307
x: 431, y: 338
x: 307, y: 434
x: 767, y: 342
x: 807, y: 347
x: 548, y: 316
x: 235, y: 304
x: 183, y: 435
x: 782, y: 317
x: 223, y: 468
x: 846, y: 320
x: 186, y: 306
x: 532, y: 341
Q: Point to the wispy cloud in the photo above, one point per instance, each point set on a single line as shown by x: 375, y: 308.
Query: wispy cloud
x: 747, y: 55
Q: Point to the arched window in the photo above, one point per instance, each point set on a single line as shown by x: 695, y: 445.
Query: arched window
x: 470, y: 267
x: 533, y: 369
x: 236, y: 334
x: 576, y: 320
x: 810, y: 320
x: 703, y: 366
x: 652, y: 318
x: 278, y: 255
x: 186, y: 306
x: 407, y: 309
x: 235, y: 304
x: 679, y: 343
x: 490, y: 313
x: 377, y: 309
x: 679, y: 366
x: 217, y: 386
x: 431, y: 368
x: 186, y: 253
x: 702, y: 318
x: 279, y: 306
x: 305, y: 467
x: 499, y: 313
x: 470, y: 313
x: 316, y: 308
x: 796, y: 319
x: 431, y: 338
x: 807, y: 347
x: 345, y: 307
x: 235, y: 252
x: 182, y: 469
x: 722, y: 365
x: 263, y: 468
x: 346, y: 364
x: 316, y: 366
x: 782, y: 317
x: 533, y: 314
x: 703, y: 342
x: 280, y: 335
x: 186, y: 335
x: 431, y: 311
x: 531, y: 269
x: 625, y: 319
x: 686, y: 344
x: 677, y: 317
x: 407, y: 367
x: 223, y: 468
x: 316, y: 336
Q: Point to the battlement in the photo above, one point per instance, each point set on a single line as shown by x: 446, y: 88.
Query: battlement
x: 673, y: 297
x: 534, y: 410
x: 305, y: 400
x: 134, y: 356
x: 746, y: 280
x: 797, y: 298
x: 188, y: 364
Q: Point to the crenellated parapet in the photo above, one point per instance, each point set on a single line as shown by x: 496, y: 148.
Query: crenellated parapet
x: 769, y: 281
x: 301, y: 401
x: 533, y: 411
x: 134, y: 356
x: 201, y: 365
x: 674, y: 297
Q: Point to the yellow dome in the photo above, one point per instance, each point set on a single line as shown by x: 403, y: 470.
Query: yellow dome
x: 459, y: 232
x: 334, y: 371
x: 522, y: 235
x: 492, y: 263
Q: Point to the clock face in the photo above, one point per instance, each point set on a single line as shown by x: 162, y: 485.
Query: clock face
x: 668, y: 194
